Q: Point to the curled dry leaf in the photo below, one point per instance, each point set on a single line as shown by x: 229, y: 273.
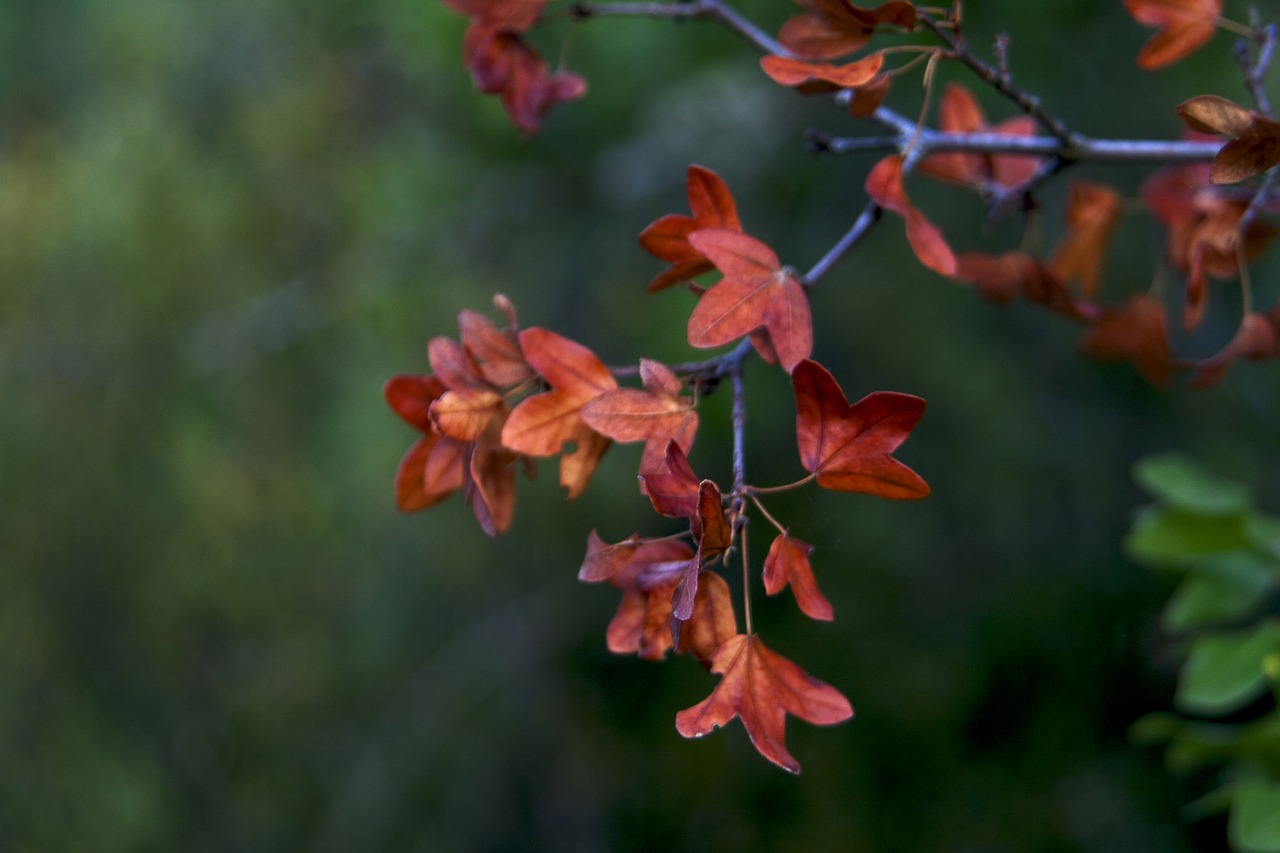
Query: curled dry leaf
x: 667, y: 238
x: 756, y: 292
x: 788, y: 563
x: 884, y: 185
x: 1182, y: 27
x: 760, y: 687
x: 1254, y: 144
x: 849, y: 447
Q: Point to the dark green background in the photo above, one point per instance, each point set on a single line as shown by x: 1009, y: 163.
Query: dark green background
x: 223, y: 225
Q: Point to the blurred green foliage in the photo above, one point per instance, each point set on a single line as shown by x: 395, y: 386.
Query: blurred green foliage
x: 222, y: 226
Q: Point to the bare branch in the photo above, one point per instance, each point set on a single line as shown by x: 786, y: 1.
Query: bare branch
x: 715, y: 9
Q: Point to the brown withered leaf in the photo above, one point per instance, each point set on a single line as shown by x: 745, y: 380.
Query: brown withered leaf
x: 1182, y: 27
x: 812, y: 78
x: 1133, y: 332
x: 788, y: 563
x: 1254, y: 145
x: 884, y: 185
x: 849, y: 447
x: 760, y: 687
x: 756, y: 291
x: 667, y: 238
x: 1093, y: 210
x: 830, y: 28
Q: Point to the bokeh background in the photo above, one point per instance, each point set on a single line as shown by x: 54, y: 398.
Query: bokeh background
x: 224, y: 225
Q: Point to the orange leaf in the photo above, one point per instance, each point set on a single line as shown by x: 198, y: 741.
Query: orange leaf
x: 496, y: 352
x: 998, y: 278
x: 430, y: 471
x: 868, y: 97
x: 1092, y: 213
x: 1134, y: 332
x: 816, y: 77
x: 884, y: 185
x: 464, y: 414
x: 960, y: 113
x: 849, y: 447
x: 788, y: 562
x: 655, y: 415
x: 755, y: 292
x: 761, y: 687
x: 835, y: 27
x: 668, y: 238
x: 1183, y: 26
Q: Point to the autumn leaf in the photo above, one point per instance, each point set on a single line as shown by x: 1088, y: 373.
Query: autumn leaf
x: 673, y: 487
x: 502, y: 63
x: 788, y: 563
x: 884, y: 185
x: 1254, y: 145
x: 1254, y: 340
x: 960, y: 113
x: 541, y: 425
x: 1134, y: 332
x: 756, y: 292
x: 433, y: 467
x: 848, y: 447
x: 489, y: 484
x: 868, y: 97
x: 667, y: 238
x: 999, y: 278
x: 656, y: 414
x: 760, y: 687
x: 832, y: 28
x: 1093, y: 210
x: 816, y: 77
x: 1182, y: 27
x: 496, y: 352
x: 511, y: 15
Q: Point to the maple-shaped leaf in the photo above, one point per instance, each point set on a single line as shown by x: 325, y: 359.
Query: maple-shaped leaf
x: 1182, y: 27
x: 811, y: 78
x: 960, y: 113
x: 756, y: 292
x: 884, y: 185
x: 667, y: 238
x: 496, y: 352
x: 1255, y: 340
x: 849, y: 447
x: 760, y: 687
x: 1093, y: 210
x: 788, y: 563
x: 832, y: 28
x: 1134, y: 332
x: 1255, y: 138
x: 541, y: 425
x: 672, y: 487
x: 656, y: 414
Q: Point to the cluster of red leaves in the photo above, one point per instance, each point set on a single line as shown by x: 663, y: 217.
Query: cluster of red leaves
x: 829, y: 29
x: 502, y: 63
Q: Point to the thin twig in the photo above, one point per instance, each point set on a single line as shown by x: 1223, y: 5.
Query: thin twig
x: 696, y: 9
x: 1255, y: 71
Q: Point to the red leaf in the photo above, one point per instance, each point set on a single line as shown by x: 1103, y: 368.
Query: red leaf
x: 495, y: 351
x: 668, y: 238
x: 411, y: 397
x: 761, y: 687
x: 430, y: 471
x: 849, y: 447
x: 464, y: 414
x: 502, y: 63
x: 835, y: 27
x: 1092, y: 213
x: 1183, y: 26
x: 884, y: 185
x: 655, y: 415
x: 788, y: 562
x: 959, y: 113
x: 755, y: 292
x: 1134, y: 332
x: 817, y: 77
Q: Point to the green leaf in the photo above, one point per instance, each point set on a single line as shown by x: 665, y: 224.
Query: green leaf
x: 1225, y: 671
x: 1183, y: 484
x: 1156, y: 727
x: 1168, y: 537
x: 1218, y: 588
x: 1263, y: 532
x: 1254, y: 826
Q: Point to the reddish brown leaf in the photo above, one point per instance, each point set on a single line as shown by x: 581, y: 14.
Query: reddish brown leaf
x: 998, y: 278
x: 495, y: 351
x: 411, y: 397
x: 1134, y: 332
x: 1254, y: 340
x: 541, y: 425
x: 1255, y: 138
x: 430, y: 471
x: 1093, y: 210
x: 673, y: 487
x: 756, y: 292
x: 502, y: 63
x: 868, y: 97
x: 712, y: 206
x: 1183, y: 26
x: 832, y: 28
x: 849, y: 447
x: 788, y: 562
x: 817, y: 77
x: 603, y: 560
x: 884, y: 185
x: 761, y: 687
x: 712, y: 621
x: 453, y: 365
x: 464, y: 414
x: 513, y: 15
x: 960, y: 113
x: 655, y: 415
